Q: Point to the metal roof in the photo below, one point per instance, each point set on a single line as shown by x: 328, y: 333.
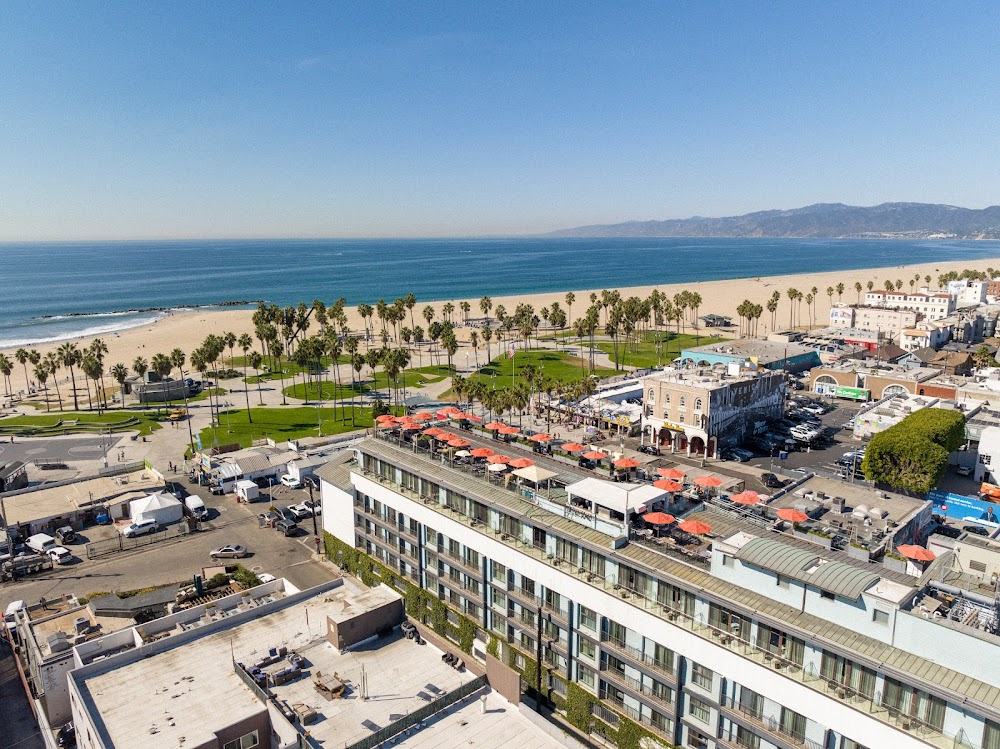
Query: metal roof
x: 777, y: 557
x: 842, y: 579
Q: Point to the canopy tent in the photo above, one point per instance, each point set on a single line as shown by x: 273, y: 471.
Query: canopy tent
x: 160, y: 507
x: 621, y: 498
x: 534, y: 474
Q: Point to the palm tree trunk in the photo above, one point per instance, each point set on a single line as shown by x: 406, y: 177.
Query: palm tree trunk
x: 246, y: 387
x: 76, y: 403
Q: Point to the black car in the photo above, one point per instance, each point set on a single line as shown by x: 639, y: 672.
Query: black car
x: 66, y: 736
x: 649, y: 449
x: 977, y: 529
x: 771, y: 481
x: 947, y: 531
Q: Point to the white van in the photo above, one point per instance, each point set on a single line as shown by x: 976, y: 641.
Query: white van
x: 40, y: 543
x: 195, y: 507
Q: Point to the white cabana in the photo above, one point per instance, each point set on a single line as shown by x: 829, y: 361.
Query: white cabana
x: 616, y: 496
x: 162, y: 508
x: 534, y: 474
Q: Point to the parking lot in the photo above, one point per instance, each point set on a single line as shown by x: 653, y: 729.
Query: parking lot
x: 180, y: 558
x: 63, y: 450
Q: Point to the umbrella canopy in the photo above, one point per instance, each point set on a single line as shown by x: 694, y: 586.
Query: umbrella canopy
x: 458, y: 442
x: 707, y: 481
x: 384, y: 418
x: 473, y: 417
x: 423, y: 416
x: 498, y: 459
x: 595, y: 455
x: 410, y: 426
x: 434, y: 432
x: 495, y: 425
x: 448, y: 411
x: 792, y: 515
x: 462, y: 454
x: 508, y: 430
x: 626, y: 463
x: 746, y: 498
x: 459, y: 415
x: 541, y: 438
x: 481, y: 452
x: 667, y: 485
x: 917, y: 553
x: 670, y: 473
x: 496, y: 467
x: 572, y: 447
x: 658, y: 518
x: 695, y: 526
x: 520, y: 463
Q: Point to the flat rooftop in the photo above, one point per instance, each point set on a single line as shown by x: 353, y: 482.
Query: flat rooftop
x: 52, y: 501
x: 765, y: 351
x: 708, y: 378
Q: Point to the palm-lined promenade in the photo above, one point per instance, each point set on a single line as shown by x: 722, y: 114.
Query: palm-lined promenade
x: 318, y: 368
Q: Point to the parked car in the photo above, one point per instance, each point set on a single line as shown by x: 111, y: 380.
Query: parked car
x: 287, y: 527
x: 738, y: 454
x: 140, y: 529
x: 290, y: 481
x: 232, y: 551
x: 266, y: 577
x: 60, y: 555
x: 66, y: 736
x: 771, y: 481
x: 964, y: 470
x: 649, y: 449
x: 976, y: 529
x: 816, y: 409
x: 217, y: 489
x: 65, y: 535
x: 948, y: 531
x: 307, y: 509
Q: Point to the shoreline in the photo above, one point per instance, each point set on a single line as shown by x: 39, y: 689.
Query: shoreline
x: 186, y: 330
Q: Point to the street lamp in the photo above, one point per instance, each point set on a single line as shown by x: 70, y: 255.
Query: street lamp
x: 311, y: 484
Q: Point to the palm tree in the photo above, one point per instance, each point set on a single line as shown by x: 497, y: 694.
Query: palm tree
x: 22, y: 356
x: 857, y: 288
x: 70, y: 356
x: 161, y: 364
x: 255, y: 360
x: 410, y: 301
x: 474, y: 342
x: 246, y: 343
x: 793, y: 294
x: 829, y: 293
x: 486, y: 304
x: 870, y: 285
x: 840, y: 291
x: 92, y: 368
x: 570, y: 298
x: 6, y: 367
x: 120, y: 373
x: 52, y: 365
x: 42, y: 375
x: 99, y: 349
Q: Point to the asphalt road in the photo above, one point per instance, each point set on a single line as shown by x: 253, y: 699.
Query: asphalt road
x: 62, y: 449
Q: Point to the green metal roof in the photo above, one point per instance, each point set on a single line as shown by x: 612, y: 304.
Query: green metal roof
x: 775, y: 556
x: 842, y: 579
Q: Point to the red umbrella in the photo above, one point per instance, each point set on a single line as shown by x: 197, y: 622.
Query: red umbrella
x: 423, y: 416
x: 434, y: 432
x: 448, y: 411
x: 473, y: 417
x: 498, y: 459
x: 917, y: 553
x: 626, y: 463
x: 458, y: 442
x: 595, y: 455
x: 521, y: 463
x: 695, y: 526
x: 541, y: 438
x: 707, y: 481
x: 746, y: 498
x: 670, y: 473
x: 792, y: 515
x: 493, y: 426
x: 482, y: 452
x: 410, y: 426
x: 508, y: 430
x: 572, y: 447
x: 384, y: 418
x: 658, y: 518
x: 668, y: 486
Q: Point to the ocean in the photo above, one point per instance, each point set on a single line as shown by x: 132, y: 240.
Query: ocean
x: 60, y: 290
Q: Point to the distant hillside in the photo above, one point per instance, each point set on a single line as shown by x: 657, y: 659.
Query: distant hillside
x: 826, y: 220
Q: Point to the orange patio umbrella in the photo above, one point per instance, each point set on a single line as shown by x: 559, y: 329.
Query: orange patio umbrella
x: 667, y: 485
x: 792, y: 515
x: 482, y: 452
x: 494, y: 426
x: 384, y: 418
x: 670, y: 473
x: 422, y: 416
x: 520, y: 463
x: 696, y: 527
x: 595, y: 455
x: 658, y: 518
x: 448, y: 411
x: 572, y: 447
x: 458, y: 442
x: 541, y: 438
x: 626, y: 463
x: 434, y: 432
x: 498, y: 459
x: 508, y: 430
x: 473, y: 417
x: 917, y: 553
x: 409, y: 426
x: 707, y: 481
x: 746, y: 498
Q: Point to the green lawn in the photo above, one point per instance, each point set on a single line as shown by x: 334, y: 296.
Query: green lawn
x: 287, y: 367
x: 554, y: 364
x: 409, y: 378
x: 30, y: 425
x: 671, y: 345
x: 281, y: 424
x: 203, y: 395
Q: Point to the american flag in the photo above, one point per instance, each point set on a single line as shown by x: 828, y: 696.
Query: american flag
x: 510, y: 354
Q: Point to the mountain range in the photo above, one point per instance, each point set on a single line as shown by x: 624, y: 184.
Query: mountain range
x: 822, y: 220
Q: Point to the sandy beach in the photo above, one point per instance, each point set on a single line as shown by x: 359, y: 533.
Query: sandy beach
x: 187, y: 330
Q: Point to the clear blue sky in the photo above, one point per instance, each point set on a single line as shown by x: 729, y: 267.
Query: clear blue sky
x: 194, y: 119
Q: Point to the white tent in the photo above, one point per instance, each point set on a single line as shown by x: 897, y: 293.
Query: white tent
x: 534, y: 474
x: 162, y: 508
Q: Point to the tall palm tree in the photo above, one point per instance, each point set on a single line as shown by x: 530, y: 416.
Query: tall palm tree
x: 120, y: 373
x: 91, y: 368
x: 42, y: 375
x: 22, y: 356
x: 52, y: 365
x: 6, y: 367
x: 486, y: 304
x: 70, y: 356
x: 246, y: 343
x: 792, y: 294
x: 255, y: 360
x: 858, y: 287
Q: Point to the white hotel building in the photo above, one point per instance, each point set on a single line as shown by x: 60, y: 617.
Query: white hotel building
x: 767, y: 642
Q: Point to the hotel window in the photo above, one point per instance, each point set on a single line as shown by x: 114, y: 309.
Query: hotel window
x: 916, y: 703
x: 697, y: 404
x: 588, y: 618
x: 616, y: 633
x: 736, y: 625
x: 499, y: 572
x: 699, y: 710
x: 663, y: 657
x: 991, y: 735
x: 651, y: 398
x: 585, y: 675
x: 846, y: 743
x: 682, y: 402
x: 243, y: 742
x: 587, y: 648
x: 666, y: 400
x: 746, y: 738
x: 701, y: 676
x: 751, y: 703
x: 793, y: 724
x: 782, y: 645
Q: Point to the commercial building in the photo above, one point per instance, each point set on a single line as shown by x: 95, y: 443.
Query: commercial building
x: 13, y: 475
x: 151, y: 388
x: 890, y: 322
x: 757, y: 638
x: 933, y: 306
x: 867, y: 380
x: 790, y: 357
x: 969, y: 293
x: 880, y: 415
x: 699, y: 409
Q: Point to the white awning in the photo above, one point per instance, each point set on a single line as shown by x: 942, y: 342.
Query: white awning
x: 616, y: 496
x: 534, y: 474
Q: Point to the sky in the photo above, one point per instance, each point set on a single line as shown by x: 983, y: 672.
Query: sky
x: 367, y: 119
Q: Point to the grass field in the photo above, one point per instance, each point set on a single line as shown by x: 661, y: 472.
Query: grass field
x: 646, y: 355
x: 554, y: 364
x: 281, y: 424
x: 29, y: 425
x: 288, y: 367
x: 410, y: 378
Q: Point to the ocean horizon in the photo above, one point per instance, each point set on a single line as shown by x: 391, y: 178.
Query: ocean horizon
x: 72, y: 289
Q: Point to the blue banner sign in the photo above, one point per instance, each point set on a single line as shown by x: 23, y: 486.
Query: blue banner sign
x: 960, y: 507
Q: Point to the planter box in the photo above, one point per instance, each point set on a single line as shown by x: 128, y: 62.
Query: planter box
x: 855, y: 552
x: 812, y: 538
x: 896, y: 565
